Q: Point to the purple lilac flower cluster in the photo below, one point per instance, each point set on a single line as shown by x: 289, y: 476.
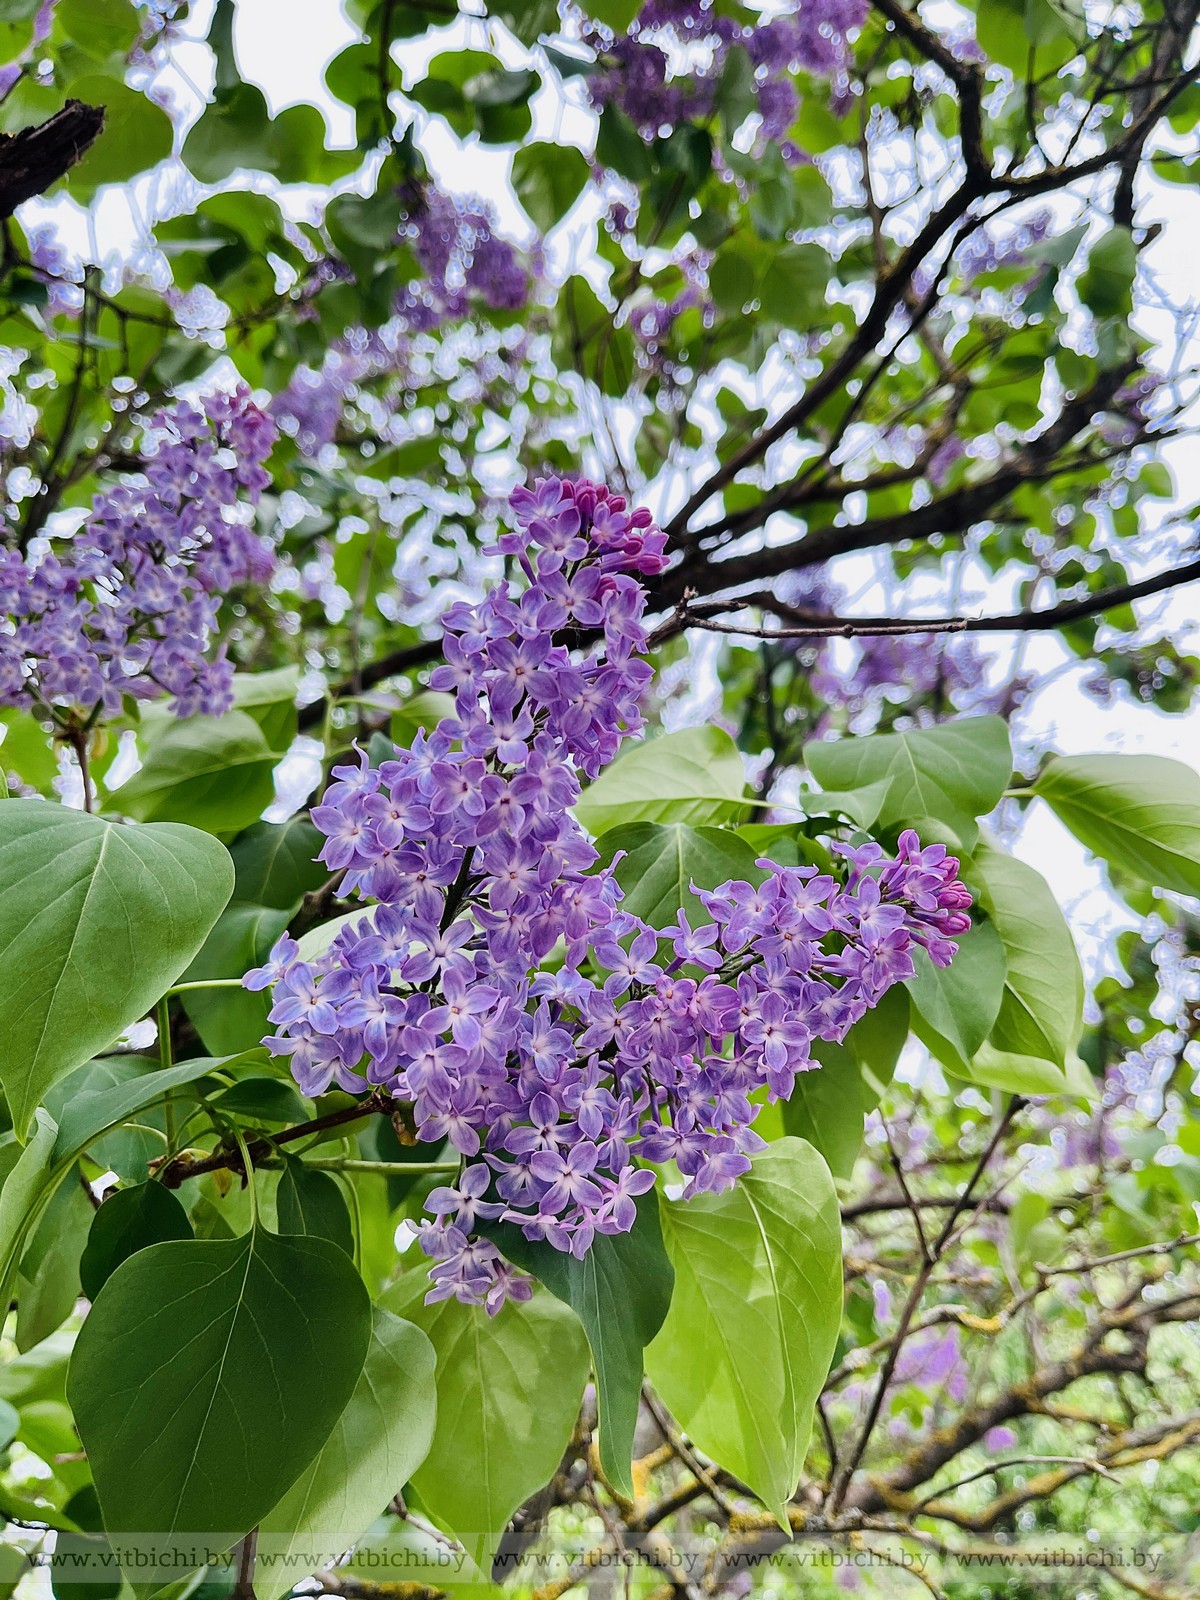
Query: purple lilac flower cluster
x: 553, y: 1080
x: 667, y: 68
x: 460, y: 256
x: 129, y: 605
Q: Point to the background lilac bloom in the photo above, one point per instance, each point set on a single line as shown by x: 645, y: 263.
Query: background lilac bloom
x: 129, y: 606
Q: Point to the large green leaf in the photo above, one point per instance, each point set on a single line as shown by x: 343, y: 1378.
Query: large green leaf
x: 508, y: 1391
x: 274, y: 863
x: 376, y: 1445
x: 270, y: 699
x: 828, y: 1107
x: 207, y: 1376
x: 212, y: 772
x: 1106, y: 283
x: 99, y: 921
x: 621, y: 1292
x: 1041, y: 1011
x: 1141, y: 814
x: 662, y: 861
x: 48, y: 1281
x: 755, y: 1316
x: 694, y: 776
x: 959, y: 1003
x: 229, y: 1020
x: 28, y: 1186
x: 949, y: 774
x: 137, y: 134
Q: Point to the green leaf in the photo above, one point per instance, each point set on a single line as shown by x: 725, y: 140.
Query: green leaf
x: 694, y: 776
x: 48, y: 1282
x: 663, y: 861
x: 309, y: 1202
x: 99, y: 921
x: 229, y: 1020
x: 27, y: 750
x: 99, y: 27
x: 959, y: 1003
x: 424, y: 710
x: 237, y: 131
x: 1015, y: 1073
x: 1106, y: 283
x: 549, y: 178
x: 129, y: 1220
x: 755, y: 1317
x: 793, y: 289
x: 620, y: 1291
x: 275, y: 863
x: 508, y: 1391
x: 86, y: 1113
x: 24, y: 1192
x: 137, y: 135
x: 215, y: 773
x: 732, y: 279
x: 10, y: 1421
x: 949, y: 774
x: 259, y: 1097
x: 1141, y: 814
x: 207, y: 1377
x: 270, y: 699
x: 828, y: 1107
x: 614, y: 14
x: 1041, y: 1012
x: 376, y: 1445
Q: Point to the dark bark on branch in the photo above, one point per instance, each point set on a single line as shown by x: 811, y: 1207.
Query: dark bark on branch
x: 978, y: 183
x: 375, y: 672
x: 227, y: 1159
x: 818, y: 625
x: 948, y: 514
x: 34, y: 159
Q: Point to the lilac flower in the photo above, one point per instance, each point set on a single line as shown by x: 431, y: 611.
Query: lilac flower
x: 637, y: 72
x: 130, y: 604
x: 644, y: 1044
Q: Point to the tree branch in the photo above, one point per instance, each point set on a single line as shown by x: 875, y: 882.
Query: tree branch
x: 826, y: 625
x: 33, y: 159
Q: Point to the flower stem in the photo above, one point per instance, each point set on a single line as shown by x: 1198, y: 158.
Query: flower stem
x: 394, y: 1169
x: 205, y: 983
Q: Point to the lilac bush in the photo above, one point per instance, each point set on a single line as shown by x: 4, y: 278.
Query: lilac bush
x: 551, y: 1037
x: 129, y: 605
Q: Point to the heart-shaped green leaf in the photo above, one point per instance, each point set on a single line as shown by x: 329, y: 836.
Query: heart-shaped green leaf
x: 755, y: 1316
x: 508, y: 1390
x: 950, y: 774
x: 99, y: 921
x: 620, y: 1291
x: 376, y: 1445
x: 129, y: 1220
x: 205, y: 1380
x: 695, y: 776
